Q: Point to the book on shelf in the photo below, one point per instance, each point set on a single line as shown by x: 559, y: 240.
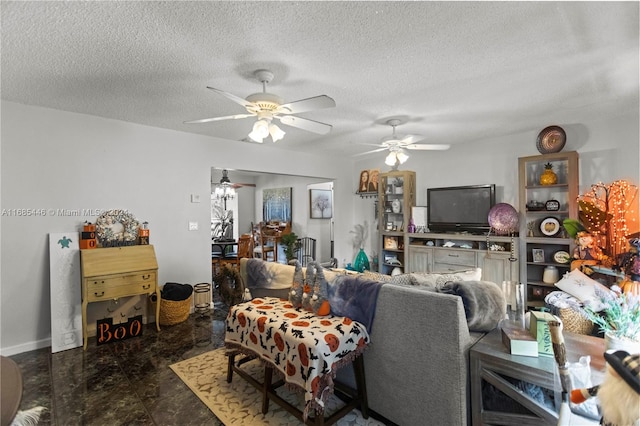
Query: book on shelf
x: 518, y: 340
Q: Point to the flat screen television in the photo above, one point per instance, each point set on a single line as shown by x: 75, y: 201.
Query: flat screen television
x: 460, y: 208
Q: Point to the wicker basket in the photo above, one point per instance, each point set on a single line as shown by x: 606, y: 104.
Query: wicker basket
x: 174, y: 311
x: 572, y: 320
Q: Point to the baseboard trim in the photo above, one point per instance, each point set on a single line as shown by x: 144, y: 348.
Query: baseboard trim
x: 25, y: 347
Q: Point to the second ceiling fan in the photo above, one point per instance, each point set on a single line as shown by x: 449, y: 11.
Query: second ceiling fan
x: 267, y: 107
x: 396, y: 145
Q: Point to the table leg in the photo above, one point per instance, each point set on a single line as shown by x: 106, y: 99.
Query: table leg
x: 266, y: 386
x: 361, y: 384
x: 232, y: 358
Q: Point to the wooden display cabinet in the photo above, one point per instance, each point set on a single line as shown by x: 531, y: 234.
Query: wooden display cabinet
x: 543, y: 208
x: 396, y: 195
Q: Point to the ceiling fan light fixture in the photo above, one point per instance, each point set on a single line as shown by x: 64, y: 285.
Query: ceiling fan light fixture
x: 260, y: 130
x: 391, y: 159
x: 276, y: 132
x: 402, y: 156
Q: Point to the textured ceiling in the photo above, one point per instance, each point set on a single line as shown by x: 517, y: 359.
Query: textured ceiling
x: 456, y: 71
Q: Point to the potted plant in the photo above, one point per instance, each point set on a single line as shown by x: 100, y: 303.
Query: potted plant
x: 291, y: 245
x: 619, y: 321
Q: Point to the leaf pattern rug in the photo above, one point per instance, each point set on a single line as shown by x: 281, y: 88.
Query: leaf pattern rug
x: 239, y: 403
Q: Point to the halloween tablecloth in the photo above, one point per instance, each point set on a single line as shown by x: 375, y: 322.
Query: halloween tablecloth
x: 306, y: 348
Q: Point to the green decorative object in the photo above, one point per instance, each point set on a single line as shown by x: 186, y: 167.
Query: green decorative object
x: 361, y: 263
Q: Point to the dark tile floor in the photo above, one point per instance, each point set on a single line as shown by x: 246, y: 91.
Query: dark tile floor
x: 123, y: 383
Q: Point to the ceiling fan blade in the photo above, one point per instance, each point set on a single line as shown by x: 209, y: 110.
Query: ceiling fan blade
x: 369, y: 152
x: 309, y: 104
x: 305, y: 124
x: 237, y: 99
x: 240, y: 185
x: 428, y: 147
x: 228, y: 117
x: 409, y: 139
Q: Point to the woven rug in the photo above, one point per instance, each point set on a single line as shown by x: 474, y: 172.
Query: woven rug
x: 238, y: 402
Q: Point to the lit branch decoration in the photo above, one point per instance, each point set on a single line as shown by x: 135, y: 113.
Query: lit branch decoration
x: 609, y: 212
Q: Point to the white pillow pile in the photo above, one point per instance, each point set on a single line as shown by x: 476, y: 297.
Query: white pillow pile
x: 587, y: 290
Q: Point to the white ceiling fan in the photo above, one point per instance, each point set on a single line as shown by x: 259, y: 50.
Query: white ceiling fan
x: 396, y: 145
x: 267, y: 106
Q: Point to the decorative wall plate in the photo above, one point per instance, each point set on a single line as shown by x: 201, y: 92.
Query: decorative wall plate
x: 550, y: 226
x: 551, y: 139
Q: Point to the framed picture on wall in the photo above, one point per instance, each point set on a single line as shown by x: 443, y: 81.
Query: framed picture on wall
x: 320, y: 203
x: 276, y: 205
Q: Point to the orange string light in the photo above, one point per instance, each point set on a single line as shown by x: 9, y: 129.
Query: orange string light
x: 609, y: 212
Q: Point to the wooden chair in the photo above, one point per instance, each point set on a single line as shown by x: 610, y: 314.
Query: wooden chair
x: 260, y: 247
x: 216, y: 261
x: 244, y: 250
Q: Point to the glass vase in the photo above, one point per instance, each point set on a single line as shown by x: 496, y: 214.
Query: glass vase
x: 514, y: 296
x: 361, y: 262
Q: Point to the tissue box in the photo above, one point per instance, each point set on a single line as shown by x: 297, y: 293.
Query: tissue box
x: 539, y: 329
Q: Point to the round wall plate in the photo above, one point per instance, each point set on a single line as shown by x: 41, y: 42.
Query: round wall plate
x: 551, y: 139
x: 550, y: 226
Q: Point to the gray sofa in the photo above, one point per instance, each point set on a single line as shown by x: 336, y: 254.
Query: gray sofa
x: 417, y: 362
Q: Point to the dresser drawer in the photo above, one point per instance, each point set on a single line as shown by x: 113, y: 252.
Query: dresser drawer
x: 463, y: 258
x: 448, y: 268
x: 109, y: 287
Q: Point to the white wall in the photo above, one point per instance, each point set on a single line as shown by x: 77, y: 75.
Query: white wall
x: 53, y: 159
x: 56, y: 159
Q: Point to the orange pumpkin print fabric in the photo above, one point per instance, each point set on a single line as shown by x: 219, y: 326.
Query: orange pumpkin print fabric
x: 303, y: 346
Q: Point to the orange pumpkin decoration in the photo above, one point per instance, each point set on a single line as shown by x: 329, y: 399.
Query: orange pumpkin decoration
x: 279, y: 341
x: 630, y: 287
x: 304, y: 356
x: 261, y: 323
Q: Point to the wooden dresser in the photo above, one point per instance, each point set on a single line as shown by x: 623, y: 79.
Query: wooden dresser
x: 110, y: 273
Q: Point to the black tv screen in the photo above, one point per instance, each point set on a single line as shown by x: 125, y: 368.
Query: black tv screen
x: 460, y: 208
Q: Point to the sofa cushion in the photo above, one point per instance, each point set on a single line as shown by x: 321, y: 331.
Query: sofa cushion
x: 484, y: 302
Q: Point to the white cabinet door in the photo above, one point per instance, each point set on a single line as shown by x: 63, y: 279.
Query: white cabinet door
x: 420, y: 259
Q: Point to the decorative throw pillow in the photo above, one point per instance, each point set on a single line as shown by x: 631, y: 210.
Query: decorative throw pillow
x: 307, y: 288
x: 401, y: 279
x: 319, y: 300
x: 376, y: 276
x: 295, y: 294
x: 484, y: 302
x: 583, y: 288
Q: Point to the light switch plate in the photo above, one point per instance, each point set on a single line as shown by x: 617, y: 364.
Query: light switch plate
x: 195, y: 198
x: 193, y: 226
